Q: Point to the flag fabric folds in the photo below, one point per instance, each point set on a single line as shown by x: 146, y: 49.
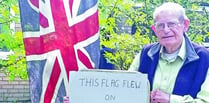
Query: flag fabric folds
x: 59, y: 36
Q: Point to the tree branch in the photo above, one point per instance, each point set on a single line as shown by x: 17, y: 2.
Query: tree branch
x: 6, y: 22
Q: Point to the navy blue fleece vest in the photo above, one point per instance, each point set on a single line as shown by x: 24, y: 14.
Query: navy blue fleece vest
x: 190, y: 77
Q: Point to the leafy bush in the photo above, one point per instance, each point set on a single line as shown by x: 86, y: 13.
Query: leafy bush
x: 15, y: 65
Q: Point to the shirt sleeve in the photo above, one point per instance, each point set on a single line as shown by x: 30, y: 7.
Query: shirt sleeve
x: 202, y: 96
x: 135, y: 64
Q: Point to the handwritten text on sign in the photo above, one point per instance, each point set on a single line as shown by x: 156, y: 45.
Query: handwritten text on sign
x: 108, y: 87
x: 96, y: 82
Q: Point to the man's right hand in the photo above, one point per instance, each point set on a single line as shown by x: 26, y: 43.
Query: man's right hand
x: 66, y: 99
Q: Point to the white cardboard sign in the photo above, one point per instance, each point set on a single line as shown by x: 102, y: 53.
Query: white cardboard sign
x: 99, y: 86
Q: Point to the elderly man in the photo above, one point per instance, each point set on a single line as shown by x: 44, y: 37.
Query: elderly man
x: 177, y: 68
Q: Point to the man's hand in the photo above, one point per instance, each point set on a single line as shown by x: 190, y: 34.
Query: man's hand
x: 158, y: 96
x: 66, y: 99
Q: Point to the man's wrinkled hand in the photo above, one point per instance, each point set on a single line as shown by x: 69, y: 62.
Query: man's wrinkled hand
x: 66, y: 99
x: 158, y: 96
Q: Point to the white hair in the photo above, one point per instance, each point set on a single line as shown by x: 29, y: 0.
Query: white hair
x: 170, y: 6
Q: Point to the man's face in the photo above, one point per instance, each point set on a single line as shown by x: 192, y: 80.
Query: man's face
x: 168, y: 29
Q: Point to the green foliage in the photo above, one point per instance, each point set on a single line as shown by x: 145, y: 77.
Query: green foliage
x: 125, y: 46
x: 199, y: 20
x: 15, y: 65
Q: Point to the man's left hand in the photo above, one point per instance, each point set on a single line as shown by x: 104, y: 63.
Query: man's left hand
x: 158, y: 96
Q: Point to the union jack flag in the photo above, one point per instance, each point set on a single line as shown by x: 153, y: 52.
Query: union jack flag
x: 59, y: 36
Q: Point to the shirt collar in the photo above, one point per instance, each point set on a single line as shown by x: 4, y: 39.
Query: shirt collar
x: 182, y: 51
